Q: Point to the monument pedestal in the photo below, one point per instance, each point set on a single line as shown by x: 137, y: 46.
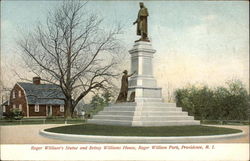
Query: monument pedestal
x: 143, y: 83
x: 147, y: 108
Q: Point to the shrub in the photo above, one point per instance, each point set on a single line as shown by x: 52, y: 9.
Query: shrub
x: 222, y: 103
x: 87, y: 115
x: 98, y: 102
x: 15, y: 114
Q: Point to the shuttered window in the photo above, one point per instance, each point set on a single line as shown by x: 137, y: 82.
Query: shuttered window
x: 20, y: 107
x: 36, y: 108
x: 13, y: 94
x: 61, y: 108
x: 19, y: 94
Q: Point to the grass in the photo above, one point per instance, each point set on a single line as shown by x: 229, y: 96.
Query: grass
x: 39, y: 121
x: 106, y: 130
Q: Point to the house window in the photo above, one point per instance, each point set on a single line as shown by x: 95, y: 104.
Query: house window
x: 61, y: 108
x: 13, y: 94
x: 4, y: 109
x: 36, y: 108
x: 20, y: 107
x: 14, y: 106
x: 19, y: 94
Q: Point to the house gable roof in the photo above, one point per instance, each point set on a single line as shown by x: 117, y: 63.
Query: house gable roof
x: 48, y: 94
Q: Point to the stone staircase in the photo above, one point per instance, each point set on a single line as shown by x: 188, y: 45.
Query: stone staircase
x: 143, y: 114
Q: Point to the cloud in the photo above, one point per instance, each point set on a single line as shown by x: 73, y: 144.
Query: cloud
x: 8, y: 33
x: 211, y: 17
x: 5, y: 24
x: 176, y: 71
x: 6, y: 28
x: 197, y: 30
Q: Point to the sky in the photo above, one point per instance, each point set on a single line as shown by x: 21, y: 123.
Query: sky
x: 197, y: 42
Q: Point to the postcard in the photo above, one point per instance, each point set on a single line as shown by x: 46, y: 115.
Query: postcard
x: 124, y: 80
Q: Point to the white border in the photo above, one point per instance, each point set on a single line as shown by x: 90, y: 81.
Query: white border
x: 136, y: 139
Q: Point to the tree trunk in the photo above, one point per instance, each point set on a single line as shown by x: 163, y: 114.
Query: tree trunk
x: 67, y: 112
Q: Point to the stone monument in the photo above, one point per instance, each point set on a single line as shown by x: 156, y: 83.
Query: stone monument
x: 144, y: 106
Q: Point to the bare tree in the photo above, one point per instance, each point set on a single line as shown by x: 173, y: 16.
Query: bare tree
x: 72, y: 51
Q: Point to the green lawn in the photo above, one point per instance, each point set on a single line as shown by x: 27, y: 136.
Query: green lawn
x: 26, y: 121
x: 105, y: 130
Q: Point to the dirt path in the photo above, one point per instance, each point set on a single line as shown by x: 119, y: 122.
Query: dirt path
x: 244, y: 139
x: 29, y: 134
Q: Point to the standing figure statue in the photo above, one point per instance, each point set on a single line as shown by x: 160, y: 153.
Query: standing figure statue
x: 124, y: 87
x: 142, y: 24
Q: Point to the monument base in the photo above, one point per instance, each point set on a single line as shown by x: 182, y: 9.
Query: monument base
x: 145, y: 112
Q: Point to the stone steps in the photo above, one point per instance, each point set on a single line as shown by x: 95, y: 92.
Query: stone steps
x: 151, y: 100
x: 146, y: 108
x: 110, y: 122
x: 123, y: 104
x: 142, y: 118
x: 145, y: 123
x: 170, y: 123
x: 144, y: 113
x: 145, y: 104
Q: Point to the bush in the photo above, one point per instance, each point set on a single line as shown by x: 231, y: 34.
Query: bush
x: 221, y: 103
x: 87, y: 115
x: 98, y: 102
x: 15, y: 114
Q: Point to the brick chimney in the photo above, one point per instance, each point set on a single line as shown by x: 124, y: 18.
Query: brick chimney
x: 36, y: 80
